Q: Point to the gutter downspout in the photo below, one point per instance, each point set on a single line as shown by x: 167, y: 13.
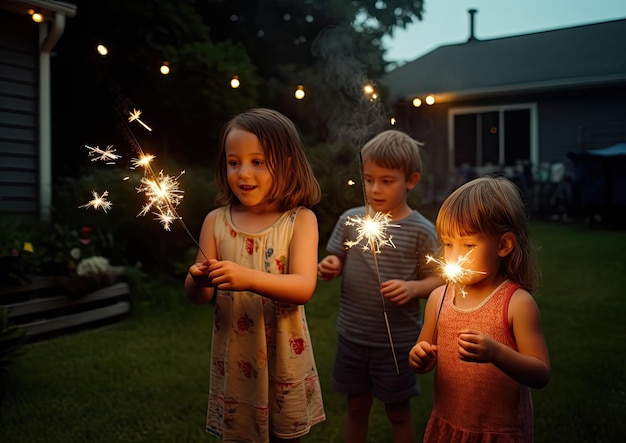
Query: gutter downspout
x: 47, y: 41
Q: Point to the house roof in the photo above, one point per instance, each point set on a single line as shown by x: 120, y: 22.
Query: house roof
x: 579, y: 56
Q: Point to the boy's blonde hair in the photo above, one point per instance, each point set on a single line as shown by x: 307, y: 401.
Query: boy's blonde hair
x: 393, y: 149
x: 293, y: 181
x: 492, y: 206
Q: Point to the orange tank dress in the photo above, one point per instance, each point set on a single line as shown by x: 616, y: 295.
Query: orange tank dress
x: 477, y: 402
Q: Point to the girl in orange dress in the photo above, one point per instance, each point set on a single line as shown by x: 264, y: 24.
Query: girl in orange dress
x: 483, y: 332
x: 261, y: 266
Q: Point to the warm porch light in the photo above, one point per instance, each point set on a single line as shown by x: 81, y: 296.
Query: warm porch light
x: 234, y: 82
x: 165, y: 68
x: 299, y: 94
x: 417, y: 102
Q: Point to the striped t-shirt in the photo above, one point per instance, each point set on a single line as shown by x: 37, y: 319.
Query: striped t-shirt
x: 361, y: 314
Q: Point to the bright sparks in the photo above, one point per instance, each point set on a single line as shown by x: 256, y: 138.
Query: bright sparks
x: 164, y: 195
x: 98, y: 201
x: 143, y: 161
x: 108, y: 155
x: 455, y: 272
x: 373, y: 229
x: 134, y: 115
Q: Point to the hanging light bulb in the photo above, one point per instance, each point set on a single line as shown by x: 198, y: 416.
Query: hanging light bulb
x: 392, y: 120
x: 234, y: 82
x: 165, y: 68
x: 299, y: 94
x: 417, y: 102
x: 430, y: 100
x: 102, y: 50
x: 36, y: 15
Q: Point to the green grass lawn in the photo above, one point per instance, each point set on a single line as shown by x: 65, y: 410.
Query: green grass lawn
x: 146, y: 378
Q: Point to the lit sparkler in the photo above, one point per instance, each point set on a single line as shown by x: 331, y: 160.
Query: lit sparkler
x: 164, y: 195
x: 162, y: 191
x: 453, y: 273
x: 98, y: 201
x: 373, y: 229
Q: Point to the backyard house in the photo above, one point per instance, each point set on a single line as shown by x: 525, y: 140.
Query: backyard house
x: 515, y: 105
x: 25, y: 129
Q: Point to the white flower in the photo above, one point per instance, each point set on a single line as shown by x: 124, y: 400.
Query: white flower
x: 93, y: 266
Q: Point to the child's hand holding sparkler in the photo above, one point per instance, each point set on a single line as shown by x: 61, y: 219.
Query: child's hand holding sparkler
x: 200, y: 274
x: 423, y: 357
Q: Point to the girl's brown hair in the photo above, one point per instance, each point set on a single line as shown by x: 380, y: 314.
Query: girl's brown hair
x: 492, y: 206
x: 293, y: 182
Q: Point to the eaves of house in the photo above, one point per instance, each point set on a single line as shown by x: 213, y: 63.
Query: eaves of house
x: 576, y: 57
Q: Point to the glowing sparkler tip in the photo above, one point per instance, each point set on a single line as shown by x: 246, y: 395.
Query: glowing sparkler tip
x: 455, y: 272
x: 373, y: 229
x: 143, y: 161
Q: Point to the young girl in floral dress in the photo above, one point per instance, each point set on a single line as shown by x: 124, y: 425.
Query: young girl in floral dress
x: 258, y: 257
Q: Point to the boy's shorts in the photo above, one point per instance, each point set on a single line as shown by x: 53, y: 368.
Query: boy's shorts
x: 362, y: 369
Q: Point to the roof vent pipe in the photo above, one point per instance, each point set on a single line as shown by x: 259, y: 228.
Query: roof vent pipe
x: 472, y: 12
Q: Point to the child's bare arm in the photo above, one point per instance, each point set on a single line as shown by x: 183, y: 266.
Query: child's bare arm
x: 297, y: 286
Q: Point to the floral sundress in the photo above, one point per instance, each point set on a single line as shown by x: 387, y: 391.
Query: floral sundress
x: 263, y: 375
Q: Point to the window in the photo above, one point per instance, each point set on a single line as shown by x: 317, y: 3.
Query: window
x: 493, y: 137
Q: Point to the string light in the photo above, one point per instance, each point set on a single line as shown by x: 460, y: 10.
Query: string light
x: 299, y: 94
x: 417, y: 102
x: 234, y: 82
x: 102, y: 50
x: 430, y: 100
x: 36, y: 15
x: 165, y: 68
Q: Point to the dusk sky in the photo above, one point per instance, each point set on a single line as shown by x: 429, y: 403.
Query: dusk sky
x: 447, y: 21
